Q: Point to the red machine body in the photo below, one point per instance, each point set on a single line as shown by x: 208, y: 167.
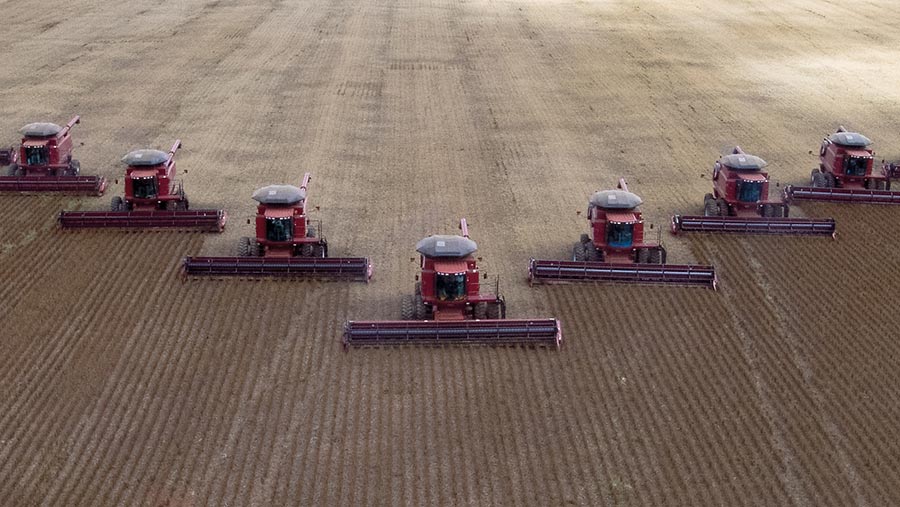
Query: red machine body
x: 283, y: 227
x: 739, y: 203
x: 741, y: 188
x: 43, y: 162
x: 449, y: 288
x: 46, y: 150
x: 617, y: 231
x: 448, y: 306
x: 150, y: 182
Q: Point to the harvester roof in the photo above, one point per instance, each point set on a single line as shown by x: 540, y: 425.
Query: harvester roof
x: 446, y: 246
x: 743, y: 162
x: 40, y: 130
x: 279, y: 194
x: 145, y: 158
x: 853, y: 139
x: 615, y: 199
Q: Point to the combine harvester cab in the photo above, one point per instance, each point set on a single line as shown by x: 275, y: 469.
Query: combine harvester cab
x: 286, y: 244
x: 616, y: 250
x: 153, y: 199
x: 448, y: 307
x: 739, y: 204
x: 846, y: 173
x: 43, y: 163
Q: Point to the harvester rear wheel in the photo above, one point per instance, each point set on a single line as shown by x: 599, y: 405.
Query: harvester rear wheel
x: 421, y: 311
x: 407, y: 307
x: 116, y: 204
x: 494, y: 311
x: 578, y: 252
x: 480, y: 311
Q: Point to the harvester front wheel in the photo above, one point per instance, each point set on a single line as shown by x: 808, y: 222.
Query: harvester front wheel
x: 494, y: 311
x: 247, y: 247
x: 723, y: 207
x: 421, y: 311
x: 74, y: 168
x: 656, y: 256
x: 830, y: 181
x: 12, y: 170
x: 578, y: 252
x: 480, y: 311
x: 711, y: 209
x: 407, y: 307
x: 591, y: 254
x: 117, y: 204
x: 20, y: 171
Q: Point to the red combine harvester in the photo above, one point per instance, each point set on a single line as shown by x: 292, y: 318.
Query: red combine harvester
x: 846, y: 173
x: 43, y: 163
x: 739, y: 204
x: 449, y: 308
x: 616, y: 250
x: 152, y: 199
x: 286, y: 245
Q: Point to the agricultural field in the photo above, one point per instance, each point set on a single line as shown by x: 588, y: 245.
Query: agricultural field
x: 121, y: 383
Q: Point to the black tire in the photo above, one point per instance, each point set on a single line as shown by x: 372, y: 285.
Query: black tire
x: 247, y: 247
x: 480, y: 311
x: 643, y: 256
x: 723, y: 207
x: 421, y: 310
x: 20, y: 171
x: 494, y: 311
x: 116, y: 204
x: 407, y: 307
x: 830, y: 181
x: 816, y: 178
x: 584, y: 239
x: 656, y: 256
x: 12, y: 170
x: 591, y: 254
x: 711, y: 209
x: 417, y: 289
x: 308, y: 250
x: 578, y: 252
